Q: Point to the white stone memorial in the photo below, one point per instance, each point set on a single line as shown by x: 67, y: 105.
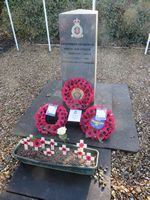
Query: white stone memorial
x: 78, y: 40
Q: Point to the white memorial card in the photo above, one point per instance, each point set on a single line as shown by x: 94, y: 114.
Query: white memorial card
x: 75, y: 115
x: 101, y: 114
x: 51, y: 110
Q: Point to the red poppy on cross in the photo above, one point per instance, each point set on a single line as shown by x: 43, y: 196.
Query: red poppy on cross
x: 52, y: 143
x: 89, y: 159
x: 81, y: 145
x: 64, y: 149
x: 25, y: 143
x: 36, y: 144
x: 29, y: 138
x: 48, y: 152
x: 79, y: 152
x: 43, y: 142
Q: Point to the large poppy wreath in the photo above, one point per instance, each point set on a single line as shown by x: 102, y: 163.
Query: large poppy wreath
x: 47, y: 128
x: 98, y: 130
x: 77, y: 93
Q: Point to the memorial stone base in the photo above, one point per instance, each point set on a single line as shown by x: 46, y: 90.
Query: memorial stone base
x: 32, y: 182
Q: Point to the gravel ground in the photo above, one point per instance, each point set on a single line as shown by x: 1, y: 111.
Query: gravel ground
x: 24, y: 73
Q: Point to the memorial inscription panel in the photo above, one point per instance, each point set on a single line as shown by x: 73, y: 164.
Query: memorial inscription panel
x: 78, y: 39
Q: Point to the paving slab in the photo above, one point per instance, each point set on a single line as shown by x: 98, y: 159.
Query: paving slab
x: 115, y: 96
x: 125, y: 134
x: 12, y: 196
x: 49, y: 184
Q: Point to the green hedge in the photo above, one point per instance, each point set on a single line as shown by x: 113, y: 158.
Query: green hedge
x: 121, y: 22
x: 125, y: 22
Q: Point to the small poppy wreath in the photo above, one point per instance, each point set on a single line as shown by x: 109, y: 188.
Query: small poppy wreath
x: 97, y: 133
x: 77, y: 93
x: 46, y: 128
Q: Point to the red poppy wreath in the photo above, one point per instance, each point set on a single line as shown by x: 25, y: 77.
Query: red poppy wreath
x: 77, y: 93
x: 46, y: 128
x: 98, y: 130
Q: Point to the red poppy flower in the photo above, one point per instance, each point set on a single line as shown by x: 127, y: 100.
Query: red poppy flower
x: 46, y: 128
x: 80, y: 153
x: 77, y: 93
x: 88, y: 158
x: 42, y: 141
x: 97, y: 133
x: 37, y: 143
x: 52, y: 143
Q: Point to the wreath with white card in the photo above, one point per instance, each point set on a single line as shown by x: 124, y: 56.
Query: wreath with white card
x: 77, y: 93
x: 47, y: 128
x: 95, y: 128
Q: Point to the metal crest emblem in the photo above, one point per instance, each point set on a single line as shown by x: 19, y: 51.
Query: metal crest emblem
x: 77, y: 30
x: 77, y: 93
